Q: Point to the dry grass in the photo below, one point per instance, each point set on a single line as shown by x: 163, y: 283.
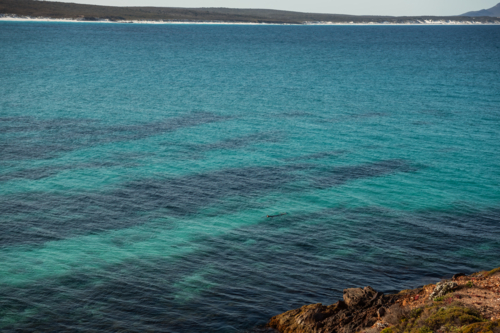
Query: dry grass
x: 484, y: 327
x: 493, y: 272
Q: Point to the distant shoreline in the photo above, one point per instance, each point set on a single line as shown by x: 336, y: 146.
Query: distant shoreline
x: 15, y: 18
x: 32, y: 10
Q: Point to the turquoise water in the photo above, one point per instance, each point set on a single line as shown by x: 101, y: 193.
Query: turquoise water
x: 138, y: 164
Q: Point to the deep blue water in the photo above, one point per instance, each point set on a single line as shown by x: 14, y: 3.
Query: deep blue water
x: 138, y: 164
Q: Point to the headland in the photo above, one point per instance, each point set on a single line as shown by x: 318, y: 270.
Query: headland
x: 462, y: 304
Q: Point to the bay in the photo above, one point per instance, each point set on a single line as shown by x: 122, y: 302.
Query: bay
x: 138, y: 164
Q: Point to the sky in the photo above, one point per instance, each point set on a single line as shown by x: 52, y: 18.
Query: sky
x: 353, y: 7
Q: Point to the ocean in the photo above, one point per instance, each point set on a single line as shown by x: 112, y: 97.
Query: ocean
x: 139, y: 163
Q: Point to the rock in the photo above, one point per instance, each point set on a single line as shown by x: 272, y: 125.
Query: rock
x: 456, y: 276
x: 353, y: 296
x: 359, y: 297
x: 361, y: 308
x: 309, y: 318
x: 442, y: 288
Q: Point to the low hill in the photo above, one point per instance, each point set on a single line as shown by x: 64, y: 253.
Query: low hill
x: 60, y: 10
x: 492, y: 12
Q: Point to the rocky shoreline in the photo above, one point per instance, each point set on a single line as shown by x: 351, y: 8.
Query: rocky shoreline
x: 463, y: 304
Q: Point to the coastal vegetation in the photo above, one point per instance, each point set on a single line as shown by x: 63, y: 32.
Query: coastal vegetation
x: 439, y: 316
x: 61, y: 10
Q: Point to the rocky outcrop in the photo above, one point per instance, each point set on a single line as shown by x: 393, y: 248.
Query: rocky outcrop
x: 360, y: 308
x: 442, y: 288
x: 366, y: 310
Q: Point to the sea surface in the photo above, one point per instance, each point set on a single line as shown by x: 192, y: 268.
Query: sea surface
x: 138, y: 164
